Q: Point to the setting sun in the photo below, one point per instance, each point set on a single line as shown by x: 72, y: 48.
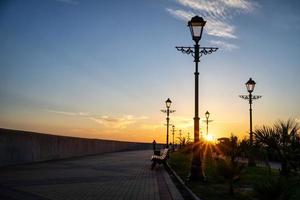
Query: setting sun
x: 209, y: 138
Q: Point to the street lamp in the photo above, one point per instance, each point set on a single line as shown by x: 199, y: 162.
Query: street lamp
x: 173, y: 133
x: 207, y: 114
x: 168, y: 111
x: 168, y: 103
x: 188, y: 138
x: 196, y: 25
x: 250, y: 85
x: 180, y: 139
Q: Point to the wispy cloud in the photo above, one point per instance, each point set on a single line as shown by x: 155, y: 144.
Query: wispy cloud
x: 224, y: 45
x: 111, y: 122
x: 117, y: 122
x: 182, y: 122
x: 180, y: 14
x: 241, y: 4
x: 219, y: 8
x: 215, y: 27
x: 218, y: 13
x: 62, y: 112
x: 220, y: 28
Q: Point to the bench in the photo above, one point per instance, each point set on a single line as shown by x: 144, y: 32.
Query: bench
x: 159, y: 159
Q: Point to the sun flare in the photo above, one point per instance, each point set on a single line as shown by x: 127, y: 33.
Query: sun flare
x: 209, y: 138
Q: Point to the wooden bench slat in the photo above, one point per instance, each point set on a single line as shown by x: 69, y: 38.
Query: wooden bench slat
x: 159, y: 159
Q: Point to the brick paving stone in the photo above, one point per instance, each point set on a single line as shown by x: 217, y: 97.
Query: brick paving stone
x: 112, y: 176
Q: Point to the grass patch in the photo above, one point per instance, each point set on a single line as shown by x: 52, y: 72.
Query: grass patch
x: 180, y: 163
x: 216, y: 188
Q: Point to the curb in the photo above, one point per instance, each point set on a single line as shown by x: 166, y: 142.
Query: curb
x: 181, y: 186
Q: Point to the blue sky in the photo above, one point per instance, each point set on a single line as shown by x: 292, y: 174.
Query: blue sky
x: 104, y: 68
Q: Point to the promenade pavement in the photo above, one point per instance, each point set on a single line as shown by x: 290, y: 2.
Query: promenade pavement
x: 121, y: 175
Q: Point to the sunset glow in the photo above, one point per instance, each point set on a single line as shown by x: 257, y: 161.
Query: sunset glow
x: 209, y: 138
x: 68, y: 70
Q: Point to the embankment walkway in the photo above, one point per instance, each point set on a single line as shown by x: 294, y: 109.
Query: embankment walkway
x: 121, y: 175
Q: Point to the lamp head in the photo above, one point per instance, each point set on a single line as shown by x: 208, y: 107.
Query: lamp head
x: 207, y: 114
x: 168, y: 103
x: 196, y: 25
x: 250, y: 85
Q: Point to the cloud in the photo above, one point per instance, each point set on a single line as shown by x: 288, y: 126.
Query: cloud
x: 217, y: 13
x: 120, y: 123
x: 220, y: 28
x: 215, y: 27
x: 62, y: 112
x: 224, y: 45
x: 111, y: 122
x: 68, y: 113
x: 206, y: 6
x: 183, y: 122
x: 152, y: 126
x: 83, y: 114
x: 241, y: 4
x: 219, y: 8
x: 180, y: 14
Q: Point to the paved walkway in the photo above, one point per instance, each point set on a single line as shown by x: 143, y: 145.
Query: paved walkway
x: 260, y: 163
x: 122, y: 175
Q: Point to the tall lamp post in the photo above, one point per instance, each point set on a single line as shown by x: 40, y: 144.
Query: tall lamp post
x: 168, y: 111
x: 250, y: 87
x: 188, y: 138
x: 196, y: 25
x: 207, y: 114
x: 173, y: 133
x: 180, y: 139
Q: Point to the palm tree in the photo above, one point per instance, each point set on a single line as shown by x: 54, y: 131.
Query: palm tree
x: 231, y: 147
x: 229, y: 168
x: 182, y: 142
x: 283, y: 138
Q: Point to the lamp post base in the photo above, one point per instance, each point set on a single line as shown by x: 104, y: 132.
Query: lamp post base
x: 251, y: 157
x: 196, y: 173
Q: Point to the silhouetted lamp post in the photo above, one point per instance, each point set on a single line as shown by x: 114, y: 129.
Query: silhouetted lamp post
x: 168, y: 111
x: 250, y: 85
x: 207, y: 114
x: 196, y: 25
x: 173, y: 133
x: 188, y: 137
x: 180, y: 139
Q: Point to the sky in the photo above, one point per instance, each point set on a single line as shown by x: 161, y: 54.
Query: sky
x: 103, y: 69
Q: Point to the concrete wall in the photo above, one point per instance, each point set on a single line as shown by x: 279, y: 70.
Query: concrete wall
x: 18, y: 147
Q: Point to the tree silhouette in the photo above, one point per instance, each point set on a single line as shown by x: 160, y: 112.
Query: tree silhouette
x: 230, y: 169
x: 283, y: 138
